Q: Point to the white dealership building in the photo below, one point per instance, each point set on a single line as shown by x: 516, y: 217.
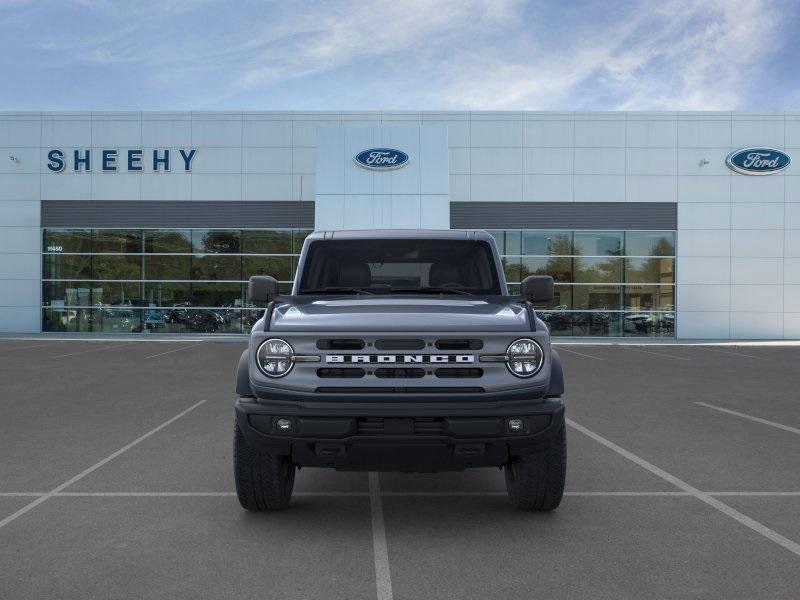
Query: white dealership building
x: 118, y: 222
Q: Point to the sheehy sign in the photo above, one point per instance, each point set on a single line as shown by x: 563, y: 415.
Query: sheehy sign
x: 111, y: 161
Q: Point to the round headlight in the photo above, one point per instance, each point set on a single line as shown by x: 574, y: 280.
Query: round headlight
x: 275, y: 357
x: 524, y: 357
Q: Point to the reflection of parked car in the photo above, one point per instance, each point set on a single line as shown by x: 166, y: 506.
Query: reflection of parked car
x: 195, y: 319
x: 154, y: 319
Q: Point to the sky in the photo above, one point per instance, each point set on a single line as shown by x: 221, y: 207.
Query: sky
x: 400, y: 55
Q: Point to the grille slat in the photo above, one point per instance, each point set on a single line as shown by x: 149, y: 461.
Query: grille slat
x: 340, y: 344
x: 459, y: 344
x: 399, y: 373
x: 459, y: 373
x: 340, y: 373
x: 420, y: 426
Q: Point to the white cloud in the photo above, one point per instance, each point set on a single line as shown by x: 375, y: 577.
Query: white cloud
x: 462, y: 54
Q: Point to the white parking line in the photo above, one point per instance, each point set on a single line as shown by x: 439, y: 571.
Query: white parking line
x: 194, y: 345
x: 562, y: 349
x: 794, y: 430
x: 742, y: 354
x: 30, y: 506
x: 657, y: 353
x: 759, y: 528
x: 91, y: 350
x: 383, y: 576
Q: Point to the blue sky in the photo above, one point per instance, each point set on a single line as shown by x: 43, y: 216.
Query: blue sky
x: 400, y: 54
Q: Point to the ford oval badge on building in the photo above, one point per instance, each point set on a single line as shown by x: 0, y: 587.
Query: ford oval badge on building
x: 381, y: 159
x: 758, y: 161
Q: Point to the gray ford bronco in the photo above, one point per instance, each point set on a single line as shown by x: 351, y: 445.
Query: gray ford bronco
x: 400, y: 350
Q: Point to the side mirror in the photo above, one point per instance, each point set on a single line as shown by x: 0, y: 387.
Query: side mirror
x: 537, y: 288
x: 262, y: 288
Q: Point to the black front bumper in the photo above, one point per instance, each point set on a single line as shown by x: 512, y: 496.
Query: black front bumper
x: 400, y: 436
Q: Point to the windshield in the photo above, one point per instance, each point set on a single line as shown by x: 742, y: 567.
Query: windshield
x: 399, y: 266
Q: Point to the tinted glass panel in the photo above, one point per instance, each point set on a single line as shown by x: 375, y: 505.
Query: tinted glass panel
x: 603, y: 324
x: 267, y: 242
x: 547, y: 242
x: 117, y: 266
x: 117, y: 240
x: 598, y: 270
x: 219, y: 267
x: 644, y: 324
x: 513, y: 242
x: 168, y: 240
x: 227, y: 241
x: 168, y: 267
x: 67, y: 266
x: 91, y: 293
x: 279, y: 267
x: 167, y: 294
x: 558, y: 267
x: 217, y: 294
x: 67, y: 240
x: 649, y: 270
x: 597, y: 297
x: 562, y: 299
x: 649, y: 297
x: 601, y: 243
x: 650, y: 243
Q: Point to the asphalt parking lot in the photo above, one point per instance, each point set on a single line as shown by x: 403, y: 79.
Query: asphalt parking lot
x: 116, y: 482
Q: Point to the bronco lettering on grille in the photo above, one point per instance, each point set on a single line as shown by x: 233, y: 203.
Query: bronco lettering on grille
x: 399, y: 358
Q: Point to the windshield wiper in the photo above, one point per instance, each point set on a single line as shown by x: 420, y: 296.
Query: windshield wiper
x: 432, y: 290
x: 338, y: 290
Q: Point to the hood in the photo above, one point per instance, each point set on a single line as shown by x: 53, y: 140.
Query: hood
x: 399, y: 314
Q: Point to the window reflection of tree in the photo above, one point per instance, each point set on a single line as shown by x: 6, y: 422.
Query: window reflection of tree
x: 221, y: 241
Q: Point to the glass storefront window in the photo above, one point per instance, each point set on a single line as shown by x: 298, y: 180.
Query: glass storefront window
x: 279, y: 267
x: 215, y: 267
x: 117, y: 266
x: 168, y: 241
x: 164, y: 266
x: 195, y: 280
x: 649, y: 243
x: 67, y: 240
x: 547, y: 243
x: 649, y: 297
x: 650, y: 270
x: 117, y: 241
x: 226, y: 241
x: 559, y: 267
x: 266, y: 242
x: 597, y: 297
x: 598, y: 270
x: 67, y: 266
x: 598, y: 243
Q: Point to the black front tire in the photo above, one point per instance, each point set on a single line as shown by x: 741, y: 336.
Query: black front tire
x: 264, y: 480
x: 536, y: 481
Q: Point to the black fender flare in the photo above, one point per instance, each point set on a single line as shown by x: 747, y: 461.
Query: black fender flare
x: 556, y: 387
x: 243, y: 376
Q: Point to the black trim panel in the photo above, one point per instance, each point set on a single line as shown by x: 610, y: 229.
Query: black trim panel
x: 564, y: 215
x: 177, y: 213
